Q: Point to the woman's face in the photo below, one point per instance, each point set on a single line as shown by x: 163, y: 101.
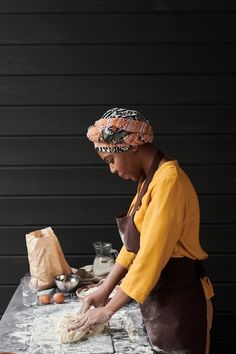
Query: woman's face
x: 125, y: 164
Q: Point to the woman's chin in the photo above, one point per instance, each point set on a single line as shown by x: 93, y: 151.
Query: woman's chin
x: 127, y: 177
x: 134, y: 178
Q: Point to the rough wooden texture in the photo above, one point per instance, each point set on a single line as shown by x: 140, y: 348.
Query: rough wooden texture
x: 34, y: 330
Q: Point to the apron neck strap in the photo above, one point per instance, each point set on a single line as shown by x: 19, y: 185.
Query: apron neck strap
x: 155, y: 164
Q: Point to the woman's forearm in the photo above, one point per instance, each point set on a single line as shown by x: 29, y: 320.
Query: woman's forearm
x: 119, y: 300
x: 117, y: 273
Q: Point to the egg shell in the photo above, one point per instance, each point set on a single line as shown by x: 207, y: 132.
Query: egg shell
x: 58, y: 298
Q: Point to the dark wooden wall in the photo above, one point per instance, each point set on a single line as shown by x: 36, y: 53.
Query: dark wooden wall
x: 62, y: 64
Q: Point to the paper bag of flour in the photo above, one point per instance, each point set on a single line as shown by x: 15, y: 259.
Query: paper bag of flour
x: 46, y: 259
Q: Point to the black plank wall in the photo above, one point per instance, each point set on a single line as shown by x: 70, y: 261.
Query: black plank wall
x: 62, y: 64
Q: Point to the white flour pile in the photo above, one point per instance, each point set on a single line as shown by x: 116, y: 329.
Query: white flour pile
x: 130, y: 327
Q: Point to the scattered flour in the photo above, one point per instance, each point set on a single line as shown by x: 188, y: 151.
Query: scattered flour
x: 34, y: 331
x: 129, y: 335
x: 130, y: 327
x: 46, y: 339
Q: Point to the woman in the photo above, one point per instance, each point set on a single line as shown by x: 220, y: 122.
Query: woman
x: 159, y: 265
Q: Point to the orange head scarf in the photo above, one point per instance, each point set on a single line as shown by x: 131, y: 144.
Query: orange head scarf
x: 120, y: 129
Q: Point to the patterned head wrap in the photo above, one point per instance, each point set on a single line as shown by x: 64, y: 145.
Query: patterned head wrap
x: 120, y: 129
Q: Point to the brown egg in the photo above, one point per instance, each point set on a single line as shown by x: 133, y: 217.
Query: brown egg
x: 58, y: 298
x: 44, y: 299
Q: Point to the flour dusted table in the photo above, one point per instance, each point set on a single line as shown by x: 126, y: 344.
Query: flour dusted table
x: 34, y: 330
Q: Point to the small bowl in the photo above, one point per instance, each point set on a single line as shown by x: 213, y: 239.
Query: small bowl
x: 67, y: 282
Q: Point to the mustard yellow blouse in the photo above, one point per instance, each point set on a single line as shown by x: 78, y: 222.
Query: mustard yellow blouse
x: 168, y: 222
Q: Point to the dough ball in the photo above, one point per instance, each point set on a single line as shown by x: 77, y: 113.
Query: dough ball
x: 74, y: 335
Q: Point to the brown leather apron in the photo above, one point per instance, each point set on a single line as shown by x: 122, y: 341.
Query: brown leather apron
x: 174, y: 313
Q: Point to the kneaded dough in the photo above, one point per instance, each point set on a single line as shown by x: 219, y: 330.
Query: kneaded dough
x: 74, y: 335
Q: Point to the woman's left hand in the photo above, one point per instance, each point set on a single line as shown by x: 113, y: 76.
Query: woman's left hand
x: 91, y: 318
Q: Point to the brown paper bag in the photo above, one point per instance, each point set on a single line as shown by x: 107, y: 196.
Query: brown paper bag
x: 46, y: 259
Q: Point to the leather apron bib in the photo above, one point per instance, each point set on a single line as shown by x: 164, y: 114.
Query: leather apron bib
x: 174, y: 313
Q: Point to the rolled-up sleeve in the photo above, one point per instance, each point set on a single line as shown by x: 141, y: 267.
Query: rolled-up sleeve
x: 160, y: 232
x: 125, y: 258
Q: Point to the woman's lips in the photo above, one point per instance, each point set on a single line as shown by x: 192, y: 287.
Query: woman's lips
x: 123, y: 176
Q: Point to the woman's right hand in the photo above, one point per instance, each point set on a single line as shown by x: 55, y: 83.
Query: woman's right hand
x: 101, y: 297
x: 97, y: 299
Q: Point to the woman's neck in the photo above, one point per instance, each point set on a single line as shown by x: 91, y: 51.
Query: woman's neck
x: 147, y: 155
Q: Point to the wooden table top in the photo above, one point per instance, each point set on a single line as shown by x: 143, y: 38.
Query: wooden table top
x: 34, y: 330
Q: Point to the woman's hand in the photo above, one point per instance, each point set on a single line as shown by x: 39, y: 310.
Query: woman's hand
x: 97, y: 299
x: 91, y: 318
x: 100, y: 299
